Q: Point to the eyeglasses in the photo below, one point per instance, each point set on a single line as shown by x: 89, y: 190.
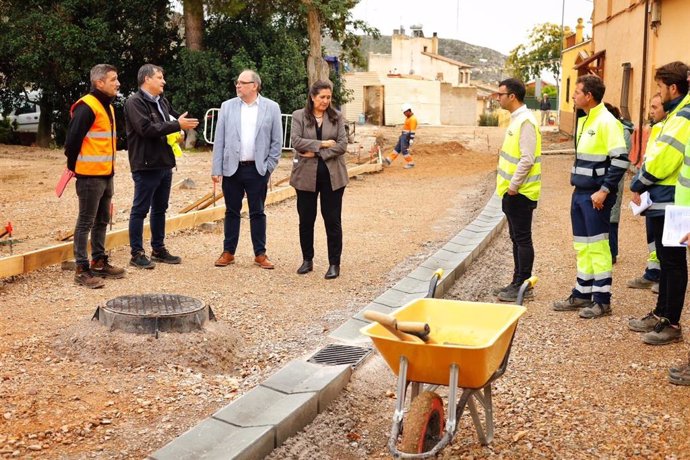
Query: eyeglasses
x: 498, y: 95
x: 240, y: 82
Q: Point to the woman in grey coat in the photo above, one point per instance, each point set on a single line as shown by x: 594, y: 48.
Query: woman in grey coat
x: 319, y: 140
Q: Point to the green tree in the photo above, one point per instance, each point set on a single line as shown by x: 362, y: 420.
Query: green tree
x: 51, y: 45
x: 541, y: 52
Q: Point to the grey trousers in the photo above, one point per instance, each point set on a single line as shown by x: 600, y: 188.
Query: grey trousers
x: 95, y: 195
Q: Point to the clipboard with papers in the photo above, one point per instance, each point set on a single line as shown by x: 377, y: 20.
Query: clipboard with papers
x: 676, y: 225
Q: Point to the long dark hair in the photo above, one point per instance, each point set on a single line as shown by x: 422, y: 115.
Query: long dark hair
x: 309, y: 108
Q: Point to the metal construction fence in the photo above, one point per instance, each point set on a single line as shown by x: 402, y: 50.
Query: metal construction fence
x: 211, y: 119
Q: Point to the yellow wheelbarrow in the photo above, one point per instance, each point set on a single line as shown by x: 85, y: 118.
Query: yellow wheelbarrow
x: 434, y: 342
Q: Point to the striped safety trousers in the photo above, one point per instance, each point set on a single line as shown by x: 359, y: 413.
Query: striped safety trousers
x: 591, y: 241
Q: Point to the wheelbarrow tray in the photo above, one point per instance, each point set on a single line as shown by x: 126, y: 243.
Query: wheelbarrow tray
x: 473, y: 335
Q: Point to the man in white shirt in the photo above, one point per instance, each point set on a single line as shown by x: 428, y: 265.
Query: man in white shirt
x: 246, y: 150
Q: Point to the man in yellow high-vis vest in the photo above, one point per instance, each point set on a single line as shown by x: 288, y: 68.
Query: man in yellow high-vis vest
x: 90, y: 147
x: 601, y: 159
x: 518, y: 181
x: 660, y: 177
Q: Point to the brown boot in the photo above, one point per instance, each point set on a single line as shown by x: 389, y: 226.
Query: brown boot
x: 225, y: 259
x: 263, y: 262
x: 102, y: 268
x: 84, y: 277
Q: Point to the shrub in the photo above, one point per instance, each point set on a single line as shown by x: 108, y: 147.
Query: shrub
x: 488, y: 119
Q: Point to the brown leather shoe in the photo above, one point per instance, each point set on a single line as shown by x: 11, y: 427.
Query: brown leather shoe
x: 225, y: 259
x: 263, y: 262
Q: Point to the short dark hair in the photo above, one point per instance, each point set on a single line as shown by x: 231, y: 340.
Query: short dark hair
x: 147, y: 70
x: 673, y: 73
x: 594, y: 85
x: 99, y: 71
x: 613, y: 110
x: 515, y: 87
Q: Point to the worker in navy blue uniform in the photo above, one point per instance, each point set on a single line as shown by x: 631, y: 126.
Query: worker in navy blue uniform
x: 601, y: 159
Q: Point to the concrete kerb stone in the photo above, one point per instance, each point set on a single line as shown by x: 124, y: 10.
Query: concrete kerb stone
x: 304, y: 377
x: 262, y: 406
x: 217, y: 440
x: 374, y: 306
x: 262, y: 419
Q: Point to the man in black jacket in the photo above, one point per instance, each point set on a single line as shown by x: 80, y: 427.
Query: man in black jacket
x: 151, y: 159
x: 90, y: 151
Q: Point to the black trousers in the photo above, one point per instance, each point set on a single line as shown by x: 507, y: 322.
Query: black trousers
x: 518, y: 210
x: 674, y: 275
x: 331, y: 210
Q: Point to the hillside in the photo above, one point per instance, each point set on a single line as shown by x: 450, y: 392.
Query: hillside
x: 488, y: 63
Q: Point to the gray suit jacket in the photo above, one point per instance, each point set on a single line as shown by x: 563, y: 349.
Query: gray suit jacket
x: 227, y: 140
x: 304, y: 139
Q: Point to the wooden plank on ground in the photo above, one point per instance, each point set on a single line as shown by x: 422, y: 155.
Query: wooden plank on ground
x: 33, y: 260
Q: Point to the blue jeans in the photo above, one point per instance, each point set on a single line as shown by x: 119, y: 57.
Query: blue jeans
x: 95, y: 195
x: 246, y: 180
x: 151, y: 192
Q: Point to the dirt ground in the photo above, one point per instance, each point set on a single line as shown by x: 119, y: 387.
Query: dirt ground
x: 574, y: 389
x: 70, y: 389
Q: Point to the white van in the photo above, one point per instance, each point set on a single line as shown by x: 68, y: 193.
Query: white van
x: 26, y: 117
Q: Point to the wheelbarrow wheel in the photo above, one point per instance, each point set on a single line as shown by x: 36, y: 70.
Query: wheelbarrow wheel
x: 424, y: 425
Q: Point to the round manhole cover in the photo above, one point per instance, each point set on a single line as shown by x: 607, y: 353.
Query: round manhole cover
x: 151, y: 313
x: 151, y: 305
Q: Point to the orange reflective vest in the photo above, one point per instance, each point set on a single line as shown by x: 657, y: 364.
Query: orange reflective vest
x: 97, y: 154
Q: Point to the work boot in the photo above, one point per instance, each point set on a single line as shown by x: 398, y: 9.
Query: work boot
x: 102, y: 268
x: 84, y: 277
x: 140, y: 260
x: 162, y: 255
x: 640, y: 283
x: 681, y: 377
x: 572, y: 303
x: 597, y: 310
x: 663, y: 333
x: 655, y: 288
x: 644, y: 324
x: 680, y: 368
x: 511, y: 294
x: 498, y: 290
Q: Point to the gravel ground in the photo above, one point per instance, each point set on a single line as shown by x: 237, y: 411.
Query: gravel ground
x: 68, y: 389
x: 573, y: 388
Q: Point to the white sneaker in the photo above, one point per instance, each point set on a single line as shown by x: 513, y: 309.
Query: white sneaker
x: 409, y: 166
x: 386, y: 161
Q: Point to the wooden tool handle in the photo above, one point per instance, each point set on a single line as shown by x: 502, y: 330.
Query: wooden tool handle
x: 413, y: 327
x: 381, y: 318
x: 390, y: 323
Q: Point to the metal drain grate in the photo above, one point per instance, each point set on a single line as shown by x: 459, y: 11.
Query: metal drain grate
x: 336, y: 355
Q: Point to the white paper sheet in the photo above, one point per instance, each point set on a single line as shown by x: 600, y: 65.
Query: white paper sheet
x: 676, y: 225
x: 645, y: 202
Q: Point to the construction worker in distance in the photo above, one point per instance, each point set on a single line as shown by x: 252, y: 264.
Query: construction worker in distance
x: 405, y: 140
x: 518, y: 182
x: 601, y: 159
x: 650, y: 277
x: 662, y: 171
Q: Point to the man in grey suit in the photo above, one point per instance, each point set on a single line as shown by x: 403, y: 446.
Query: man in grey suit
x: 246, y: 150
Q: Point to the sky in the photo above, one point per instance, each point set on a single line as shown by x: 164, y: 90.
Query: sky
x: 497, y: 24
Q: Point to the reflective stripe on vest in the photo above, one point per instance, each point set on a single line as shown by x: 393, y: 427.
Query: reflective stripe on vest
x: 510, y: 157
x: 97, y: 154
x: 682, y: 197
